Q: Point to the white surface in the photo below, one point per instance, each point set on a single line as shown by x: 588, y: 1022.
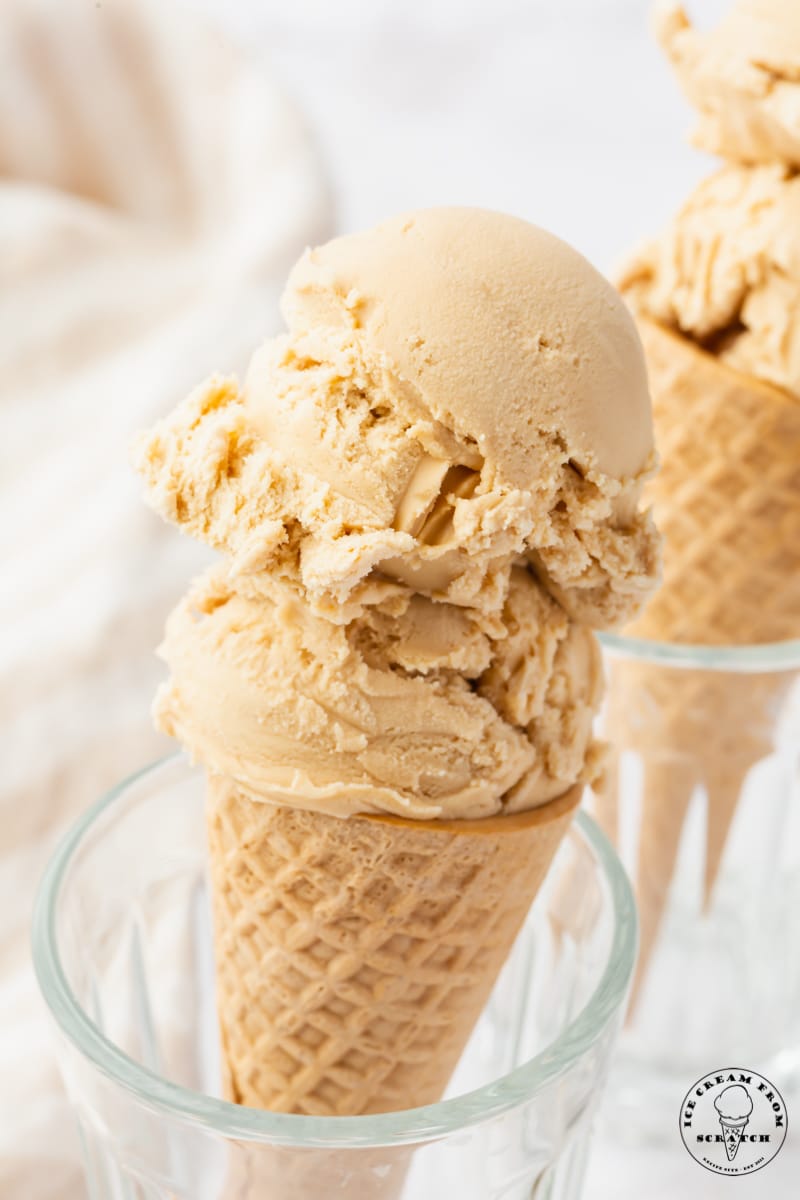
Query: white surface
x: 620, y: 1172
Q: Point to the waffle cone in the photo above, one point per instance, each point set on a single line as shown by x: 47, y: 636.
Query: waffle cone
x: 727, y: 500
x: 691, y: 730
x: 354, y: 956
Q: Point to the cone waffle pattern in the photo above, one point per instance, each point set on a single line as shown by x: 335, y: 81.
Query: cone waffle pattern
x: 726, y: 498
x: 728, y: 503
x: 355, y: 956
x: 732, y: 1131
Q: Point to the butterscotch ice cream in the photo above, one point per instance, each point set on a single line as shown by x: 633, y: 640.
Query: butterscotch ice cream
x: 742, y: 77
x: 716, y: 296
x: 726, y: 272
x: 414, y: 708
x: 456, y: 389
x: 426, y: 491
x: 427, y: 494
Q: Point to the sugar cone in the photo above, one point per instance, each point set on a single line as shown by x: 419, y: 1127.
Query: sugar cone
x: 355, y: 956
x: 690, y: 729
x: 727, y: 500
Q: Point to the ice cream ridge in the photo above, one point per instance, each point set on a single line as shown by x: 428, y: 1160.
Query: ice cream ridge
x: 717, y: 302
x: 427, y: 495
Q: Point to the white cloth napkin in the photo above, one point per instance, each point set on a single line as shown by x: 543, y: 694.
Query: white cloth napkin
x: 154, y: 190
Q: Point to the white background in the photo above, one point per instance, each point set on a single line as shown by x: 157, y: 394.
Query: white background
x: 562, y: 112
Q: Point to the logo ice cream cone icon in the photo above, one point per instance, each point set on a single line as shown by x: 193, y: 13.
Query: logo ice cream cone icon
x: 734, y: 1106
x: 748, y: 1109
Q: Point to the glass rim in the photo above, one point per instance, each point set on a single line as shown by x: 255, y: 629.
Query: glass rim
x: 400, y: 1127
x: 746, y: 659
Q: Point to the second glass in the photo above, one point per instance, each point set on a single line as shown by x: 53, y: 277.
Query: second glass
x: 703, y: 804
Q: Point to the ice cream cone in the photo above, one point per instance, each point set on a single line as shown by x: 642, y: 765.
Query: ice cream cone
x: 427, y: 495
x: 692, y: 730
x: 355, y: 956
x: 728, y: 501
x: 732, y: 1132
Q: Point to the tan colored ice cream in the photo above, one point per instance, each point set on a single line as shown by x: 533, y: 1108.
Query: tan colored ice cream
x: 726, y: 272
x: 427, y: 493
x: 742, y: 78
x: 411, y: 709
x: 456, y: 388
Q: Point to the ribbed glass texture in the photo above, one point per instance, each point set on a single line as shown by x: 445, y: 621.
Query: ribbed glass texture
x: 123, y: 951
x: 703, y: 804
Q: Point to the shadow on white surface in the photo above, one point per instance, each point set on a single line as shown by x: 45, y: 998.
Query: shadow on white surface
x: 621, y: 1172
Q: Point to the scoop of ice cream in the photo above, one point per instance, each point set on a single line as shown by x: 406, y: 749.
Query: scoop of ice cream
x: 743, y: 78
x: 503, y: 331
x: 415, y: 708
x: 456, y: 388
x: 726, y: 272
x: 734, y: 1102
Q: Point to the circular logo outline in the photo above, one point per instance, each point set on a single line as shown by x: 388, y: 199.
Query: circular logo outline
x: 735, y: 1079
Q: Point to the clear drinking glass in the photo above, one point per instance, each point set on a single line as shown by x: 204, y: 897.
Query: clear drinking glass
x: 703, y: 804
x: 123, y: 952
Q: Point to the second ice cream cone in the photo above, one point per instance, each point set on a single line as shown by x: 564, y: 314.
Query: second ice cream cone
x: 694, y: 731
x: 727, y: 498
x: 728, y: 501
